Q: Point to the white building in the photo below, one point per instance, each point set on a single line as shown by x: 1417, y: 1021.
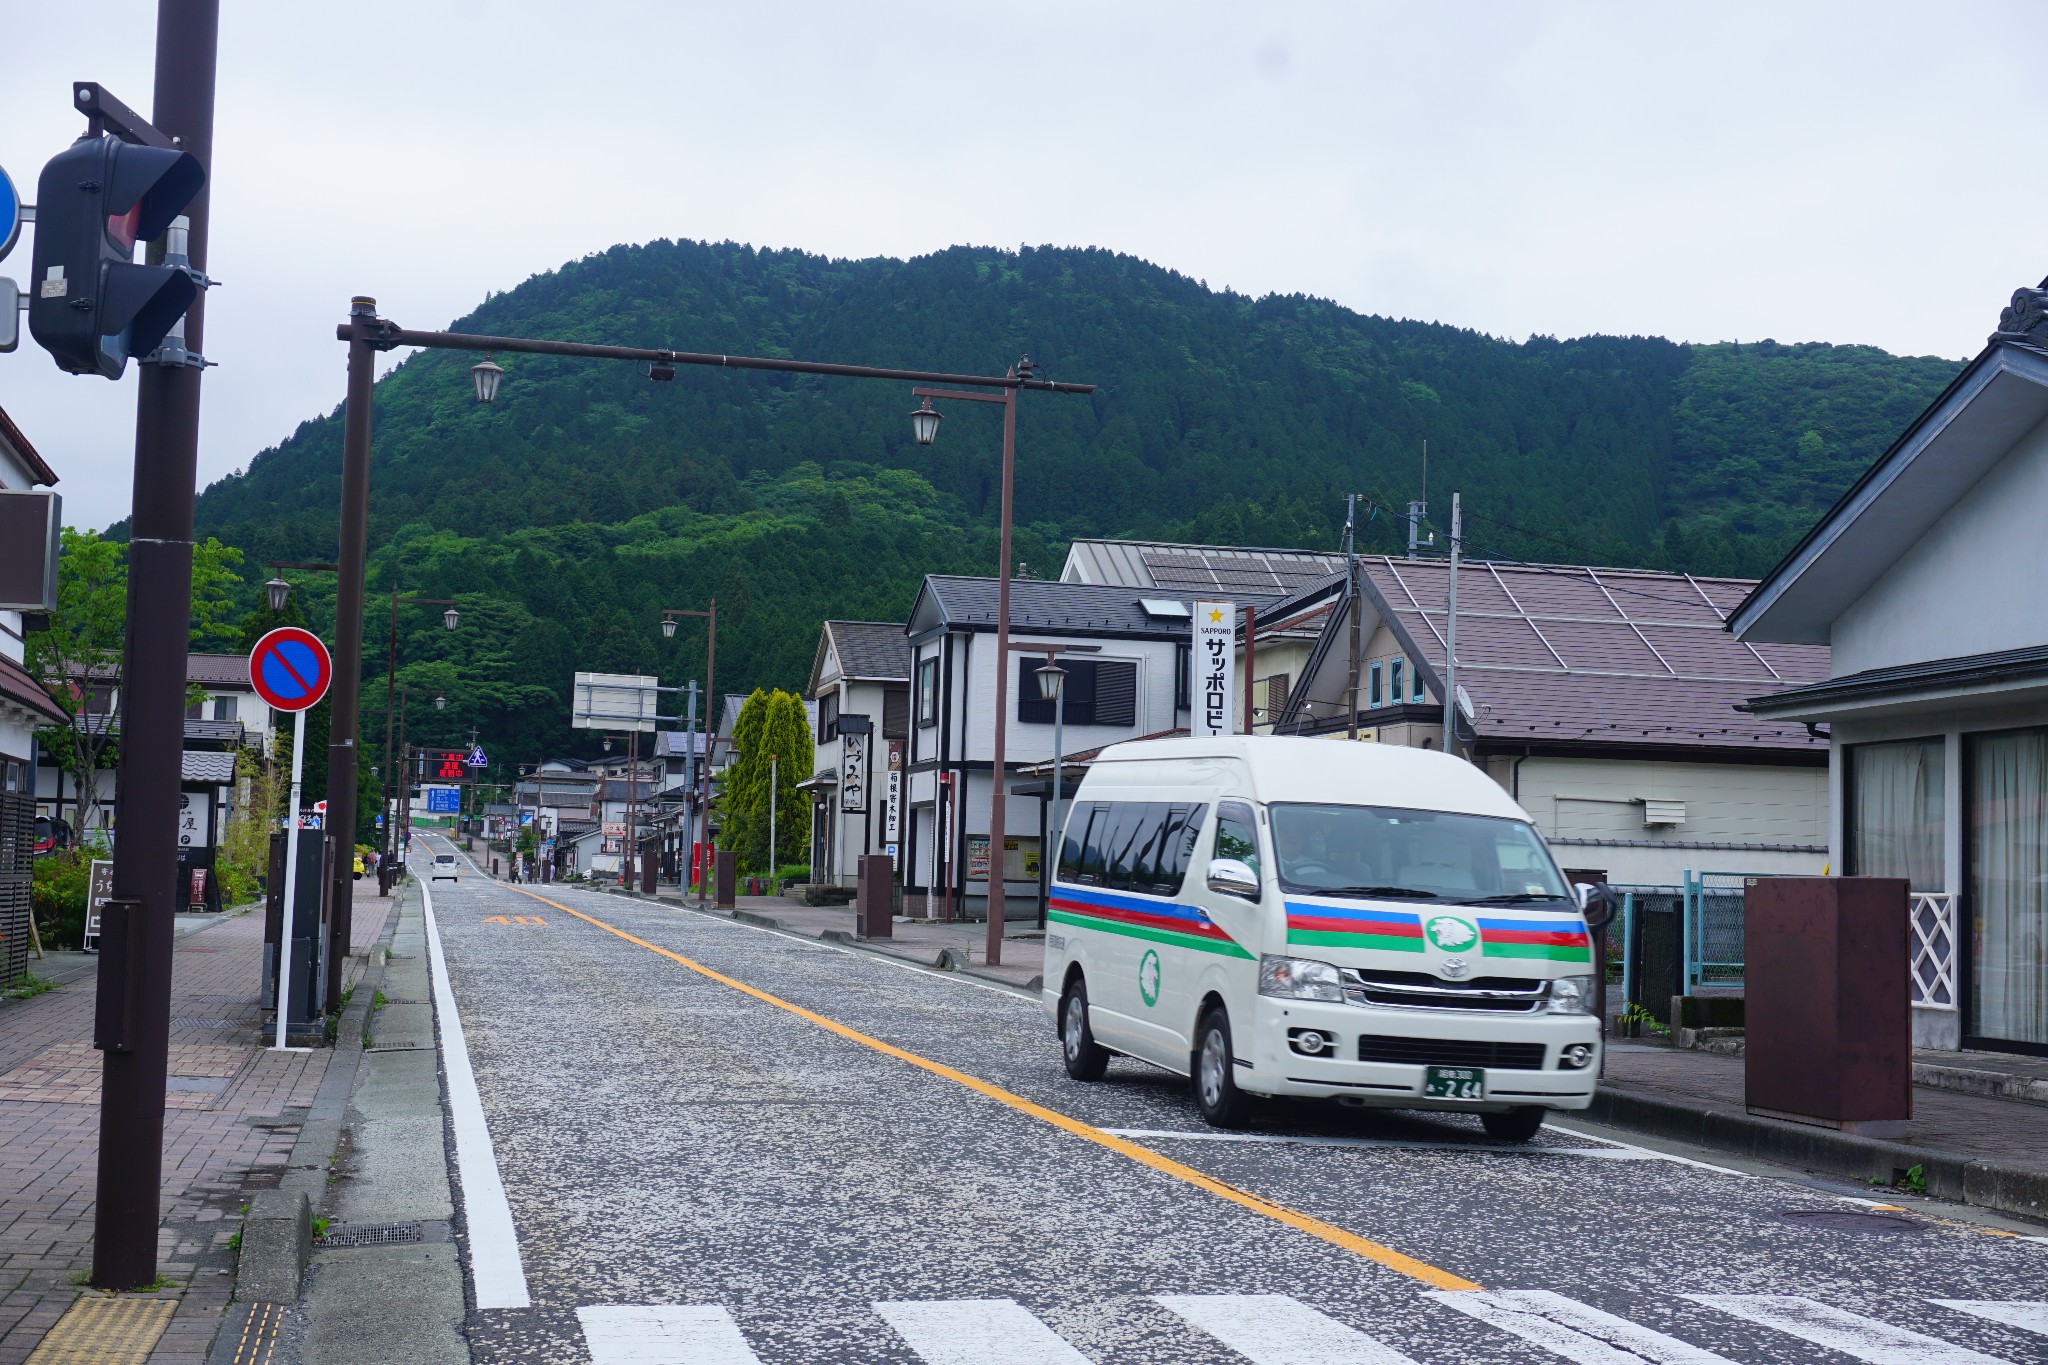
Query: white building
x: 24, y: 706
x: 1926, y: 580
x: 860, y: 689
x: 1603, y: 700
x: 1127, y: 678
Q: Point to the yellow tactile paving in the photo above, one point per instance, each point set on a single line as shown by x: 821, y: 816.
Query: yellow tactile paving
x: 256, y: 1344
x: 100, y: 1330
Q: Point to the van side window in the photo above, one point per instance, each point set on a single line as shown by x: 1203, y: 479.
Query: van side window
x: 1237, y: 835
x: 1179, y: 827
x: 1125, y: 846
x: 1076, y: 840
x: 1141, y: 846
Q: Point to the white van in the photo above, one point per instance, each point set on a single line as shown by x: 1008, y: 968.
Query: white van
x: 1281, y: 916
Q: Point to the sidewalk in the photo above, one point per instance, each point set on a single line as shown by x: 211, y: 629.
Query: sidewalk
x: 1974, y: 1148
x: 233, y: 1111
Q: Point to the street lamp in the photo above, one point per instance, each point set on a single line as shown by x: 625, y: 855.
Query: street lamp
x: 440, y: 703
x: 486, y: 373
x: 450, y: 617
x: 277, y: 592
x: 1052, y: 687
x: 668, y: 627
x: 924, y: 424
x: 607, y: 743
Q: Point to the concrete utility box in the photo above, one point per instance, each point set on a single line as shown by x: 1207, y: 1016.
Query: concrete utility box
x: 725, y: 879
x: 877, y: 897
x: 1829, y: 1014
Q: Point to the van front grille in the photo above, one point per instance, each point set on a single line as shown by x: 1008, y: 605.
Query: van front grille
x: 1421, y: 991
x: 1382, y: 1047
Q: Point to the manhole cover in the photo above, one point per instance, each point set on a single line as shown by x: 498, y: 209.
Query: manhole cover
x: 1846, y: 1220
x: 371, y: 1235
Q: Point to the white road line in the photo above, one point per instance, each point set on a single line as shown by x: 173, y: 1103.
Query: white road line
x: 1273, y: 1329
x: 2027, y: 1315
x: 664, y: 1334
x: 1399, y: 1144
x: 1855, y: 1336
x: 1653, y: 1152
x: 977, y: 1332
x: 493, y: 1243
x: 1574, y: 1330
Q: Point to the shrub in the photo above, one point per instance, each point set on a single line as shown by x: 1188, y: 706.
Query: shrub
x: 57, y: 892
x: 795, y: 872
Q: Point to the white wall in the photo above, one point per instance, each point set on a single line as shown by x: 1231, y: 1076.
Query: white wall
x: 1971, y: 585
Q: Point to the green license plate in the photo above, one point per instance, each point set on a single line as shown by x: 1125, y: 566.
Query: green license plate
x: 1454, y: 1083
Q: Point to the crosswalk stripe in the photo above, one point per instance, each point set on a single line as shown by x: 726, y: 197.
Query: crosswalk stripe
x: 663, y: 1334
x: 977, y: 1332
x: 1576, y: 1331
x: 2027, y: 1315
x: 1861, y: 1338
x: 1273, y: 1329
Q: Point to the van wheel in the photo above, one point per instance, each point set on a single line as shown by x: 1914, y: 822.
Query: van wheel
x: 1513, y: 1125
x: 1222, y: 1104
x: 1086, y: 1059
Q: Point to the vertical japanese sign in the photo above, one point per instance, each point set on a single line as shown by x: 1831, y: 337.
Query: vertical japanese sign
x: 195, y: 819
x: 892, y: 816
x: 853, y: 773
x: 1213, y: 690
x: 99, y: 890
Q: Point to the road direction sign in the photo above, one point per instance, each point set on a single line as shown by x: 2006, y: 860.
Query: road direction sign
x: 290, y: 668
x: 10, y: 214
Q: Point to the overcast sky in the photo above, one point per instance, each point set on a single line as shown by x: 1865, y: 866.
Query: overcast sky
x: 1864, y: 172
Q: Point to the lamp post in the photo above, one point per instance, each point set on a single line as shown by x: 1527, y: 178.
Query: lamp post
x: 924, y: 428
x: 449, y: 619
x: 366, y: 334
x: 1052, y: 687
x: 701, y: 771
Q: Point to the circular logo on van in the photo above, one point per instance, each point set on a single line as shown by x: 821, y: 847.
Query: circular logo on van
x: 1148, y: 977
x: 1450, y: 933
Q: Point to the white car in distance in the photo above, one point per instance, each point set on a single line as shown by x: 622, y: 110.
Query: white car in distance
x: 444, y: 866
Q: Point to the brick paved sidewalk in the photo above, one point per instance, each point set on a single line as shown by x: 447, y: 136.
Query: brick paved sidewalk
x: 233, y: 1112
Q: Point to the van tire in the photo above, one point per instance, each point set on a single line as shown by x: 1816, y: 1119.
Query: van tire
x: 1213, y: 1070
x: 1513, y: 1125
x: 1086, y: 1059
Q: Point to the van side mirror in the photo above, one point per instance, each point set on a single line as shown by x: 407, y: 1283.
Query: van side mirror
x: 1229, y: 877
x: 1598, y: 902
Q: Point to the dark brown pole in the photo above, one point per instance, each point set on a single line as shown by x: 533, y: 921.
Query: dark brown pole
x: 996, y: 805
x: 389, y: 813
x: 1251, y: 622
x: 344, y: 699
x: 711, y: 719
x: 138, y: 956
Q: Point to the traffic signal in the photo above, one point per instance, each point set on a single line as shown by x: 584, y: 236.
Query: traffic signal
x: 90, y: 305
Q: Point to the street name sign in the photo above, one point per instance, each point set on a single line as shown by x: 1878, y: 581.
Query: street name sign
x: 290, y: 669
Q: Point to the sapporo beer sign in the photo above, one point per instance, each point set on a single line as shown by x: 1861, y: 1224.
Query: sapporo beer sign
x: 1214, y: 661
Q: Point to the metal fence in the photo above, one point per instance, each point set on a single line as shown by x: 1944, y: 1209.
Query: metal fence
x: 17, y: 843
x: 1713, y: 928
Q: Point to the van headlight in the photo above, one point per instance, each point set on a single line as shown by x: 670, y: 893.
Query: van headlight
x: 1570, y: 995
x: 1300, y: 978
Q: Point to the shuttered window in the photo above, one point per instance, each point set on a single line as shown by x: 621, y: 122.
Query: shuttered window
x: 895, y: 712
x: 1098, y: 691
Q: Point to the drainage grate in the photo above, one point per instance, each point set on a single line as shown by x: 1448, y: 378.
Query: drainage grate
x: 371, y: 1235
x: 181, y: 1021
x: 1845, y: 1220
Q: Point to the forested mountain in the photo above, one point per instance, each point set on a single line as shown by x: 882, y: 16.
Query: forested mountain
x: 587, y: 497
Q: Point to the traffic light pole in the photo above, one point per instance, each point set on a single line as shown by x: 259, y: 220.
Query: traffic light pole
x: 133, y: 1023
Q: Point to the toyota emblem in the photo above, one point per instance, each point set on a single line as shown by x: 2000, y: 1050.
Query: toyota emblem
x: 1454, y: 967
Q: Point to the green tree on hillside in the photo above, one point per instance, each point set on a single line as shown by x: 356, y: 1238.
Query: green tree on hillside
x: 770, y: 723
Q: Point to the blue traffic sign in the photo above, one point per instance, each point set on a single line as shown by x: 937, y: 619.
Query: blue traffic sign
x: 476, y: 757
x: 290, y: 668
x: 10, y: 214
x: 444, y: 800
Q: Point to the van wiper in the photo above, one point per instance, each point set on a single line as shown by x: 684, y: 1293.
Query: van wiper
x: 1513, y: 898
x: 1406, y: 892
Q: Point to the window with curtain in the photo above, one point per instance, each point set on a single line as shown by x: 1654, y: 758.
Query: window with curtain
x: 1896, y: 812
x: 2008, y: 862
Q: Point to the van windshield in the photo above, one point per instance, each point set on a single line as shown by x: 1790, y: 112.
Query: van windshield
x: 1391, y: 853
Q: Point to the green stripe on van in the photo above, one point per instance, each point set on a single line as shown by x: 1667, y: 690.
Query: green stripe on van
x: 1550, y: 952
x: 1146, y: 932
x: 1325, y: 938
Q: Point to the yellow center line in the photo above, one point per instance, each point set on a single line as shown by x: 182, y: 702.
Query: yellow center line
x: 1301, y: 1222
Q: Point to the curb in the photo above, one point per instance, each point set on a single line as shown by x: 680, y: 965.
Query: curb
x: 1949, y: 1175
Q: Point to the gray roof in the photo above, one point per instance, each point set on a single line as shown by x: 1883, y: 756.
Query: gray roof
x: 1564, y: 654
x: 877, y: 651
x: 1038, y: 607
x: 1239, y: 573
x: 218, y: 670
x: 677, y: 744
x: 207, y: 766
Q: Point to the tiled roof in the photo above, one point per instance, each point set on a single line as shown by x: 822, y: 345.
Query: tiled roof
x: 19, y: 686
x: 217, y: 670
x: 1240, y: 573
x: 1042, y: 607
x: 206, y: 766
x: 874, y: 650
x: 1562, y: 653
x: 10, y: 433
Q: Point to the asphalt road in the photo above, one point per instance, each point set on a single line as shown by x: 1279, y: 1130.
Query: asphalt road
x: 697, y: 1174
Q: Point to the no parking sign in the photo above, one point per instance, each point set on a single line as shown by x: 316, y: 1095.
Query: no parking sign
x: 290, y: 668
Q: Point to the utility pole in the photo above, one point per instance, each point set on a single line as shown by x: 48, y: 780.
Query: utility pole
x: 774, y: 783
x: 1357, y: 617
x: 1451, y: 632
x: 132, y: 1026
